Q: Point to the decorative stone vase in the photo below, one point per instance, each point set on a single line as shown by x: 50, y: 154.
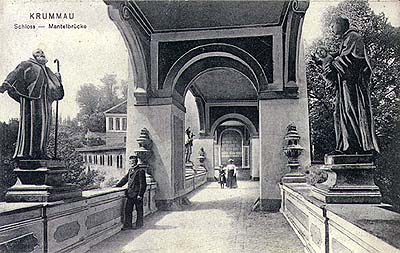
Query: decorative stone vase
x: 144, y: 152
x: 293, y: 150
x: 202, y: 158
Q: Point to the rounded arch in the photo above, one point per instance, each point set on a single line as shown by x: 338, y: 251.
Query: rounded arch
x: 210, y: 56
x: 235, y: 116
x: 230, y: 129
x: 213, y: 69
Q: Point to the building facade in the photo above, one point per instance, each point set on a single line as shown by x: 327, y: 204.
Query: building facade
x: 109, y: 159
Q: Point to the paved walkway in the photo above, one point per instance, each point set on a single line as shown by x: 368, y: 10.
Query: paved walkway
x: 219, y: 220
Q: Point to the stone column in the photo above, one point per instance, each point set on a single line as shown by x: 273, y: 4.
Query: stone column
x: 255, y: 158
x: 165, y: 124
x: 275, y: 115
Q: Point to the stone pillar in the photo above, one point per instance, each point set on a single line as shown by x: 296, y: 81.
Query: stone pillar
x: 165, y: 124
x: 255, y: 159
x: 275, y: 115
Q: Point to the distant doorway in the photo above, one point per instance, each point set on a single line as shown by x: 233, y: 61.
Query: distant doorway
x: 232, y: 140
x: 231, y: 146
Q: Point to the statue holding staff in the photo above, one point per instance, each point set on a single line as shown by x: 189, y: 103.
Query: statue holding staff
x: 35, y: 87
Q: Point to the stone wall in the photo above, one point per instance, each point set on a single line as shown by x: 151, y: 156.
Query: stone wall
x: 231, y: 147
x: 193, y: 182
x: 72, y: 226
x: 334, y: 228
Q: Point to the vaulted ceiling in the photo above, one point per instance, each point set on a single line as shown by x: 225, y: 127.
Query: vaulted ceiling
x: 224, y: 85
x: 166, y: 16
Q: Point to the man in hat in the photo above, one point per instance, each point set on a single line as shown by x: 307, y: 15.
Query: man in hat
x: 136, y: 179
x: 34, y: 86
x: 351, y: 71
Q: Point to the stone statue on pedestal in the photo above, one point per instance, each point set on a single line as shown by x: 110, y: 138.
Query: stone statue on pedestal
x: 350, y: 167
x: 35, y: 87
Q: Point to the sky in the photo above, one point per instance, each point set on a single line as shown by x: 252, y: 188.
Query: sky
x: 86, y: 55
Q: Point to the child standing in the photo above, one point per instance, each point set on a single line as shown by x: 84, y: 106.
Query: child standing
x: 222, y: 177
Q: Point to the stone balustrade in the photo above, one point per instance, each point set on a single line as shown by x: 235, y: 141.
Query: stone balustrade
x: 340, y: 228
x: 193, y: 182
x: 66, y: 226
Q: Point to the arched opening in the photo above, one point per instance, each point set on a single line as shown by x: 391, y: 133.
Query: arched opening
x: 218, y: 83
x: 237, y: 67
x: 216, y: 57
x: 235, y: 138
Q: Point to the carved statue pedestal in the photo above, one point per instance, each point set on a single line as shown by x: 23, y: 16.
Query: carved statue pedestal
x: 189, y: 169
x: 149, y: 177
x: 202, y: 158
x: 350, y: 180
x: 201, y: 169
x: 294, y: 177
x: 41, y: 181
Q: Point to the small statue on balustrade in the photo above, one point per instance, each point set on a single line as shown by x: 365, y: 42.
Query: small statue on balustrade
x: 188, y: 144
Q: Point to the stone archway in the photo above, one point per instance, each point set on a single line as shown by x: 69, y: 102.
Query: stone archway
x: 209, y: 56
x: 172, y: 52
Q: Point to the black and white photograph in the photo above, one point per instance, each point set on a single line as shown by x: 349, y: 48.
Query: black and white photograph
x: 226, y: 126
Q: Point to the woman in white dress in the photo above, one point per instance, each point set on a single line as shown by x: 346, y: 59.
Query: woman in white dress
x: 231, y: 170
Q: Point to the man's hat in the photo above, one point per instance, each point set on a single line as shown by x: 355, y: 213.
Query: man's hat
x: 133, y: 157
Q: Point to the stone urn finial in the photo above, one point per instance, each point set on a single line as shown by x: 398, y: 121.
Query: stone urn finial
x: 202, y: 158
x: 145, y: 144
x: 144, y: 153
x: 293, y: 150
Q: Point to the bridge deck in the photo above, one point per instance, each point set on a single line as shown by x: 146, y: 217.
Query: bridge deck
x: 219, y: 220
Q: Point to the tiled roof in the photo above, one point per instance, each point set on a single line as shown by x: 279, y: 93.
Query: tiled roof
x: 119, y: 108
x: 102, y: 148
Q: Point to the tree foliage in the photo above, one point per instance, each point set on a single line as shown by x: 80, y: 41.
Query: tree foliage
x: 70, y: 138
x: 94, y: 100
x: 383, y: 49
x: 8, y: 137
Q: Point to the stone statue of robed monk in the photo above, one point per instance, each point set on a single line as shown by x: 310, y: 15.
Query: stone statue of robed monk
x: 34, y: 86
x: 350, y: 71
